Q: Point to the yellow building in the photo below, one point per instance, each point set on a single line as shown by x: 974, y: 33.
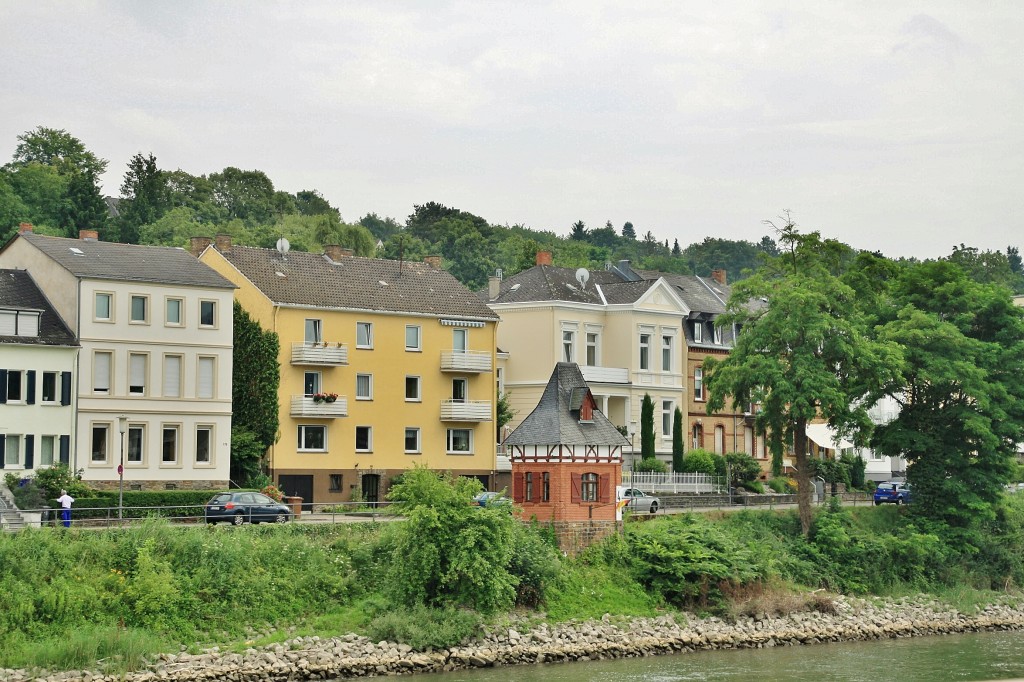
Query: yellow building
x: 384, y: 364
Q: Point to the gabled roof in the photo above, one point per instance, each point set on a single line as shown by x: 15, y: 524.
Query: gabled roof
x: 550, y: 283
x: 701, y: 294
x: 93, y: 259
x: 555, y: 420
x: 313, y: 280
x: 18, y: 291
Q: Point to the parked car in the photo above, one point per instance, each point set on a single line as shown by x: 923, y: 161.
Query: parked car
x: 895, y: 492
x: 238, y: 507
x: 485, y: 498
x: 640, y: 501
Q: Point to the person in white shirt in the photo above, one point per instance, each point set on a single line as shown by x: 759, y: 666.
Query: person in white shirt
x: 65, y: 507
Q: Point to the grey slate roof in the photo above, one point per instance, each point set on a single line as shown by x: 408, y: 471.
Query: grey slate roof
x: 550, y: 283
x: 19, y: 291
x: 128, y: 262
x: 310, y: 279
x: 701, y: 294
x: 555, y: 421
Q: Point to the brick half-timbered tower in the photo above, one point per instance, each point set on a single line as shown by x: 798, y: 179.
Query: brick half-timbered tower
x: 567, y: 460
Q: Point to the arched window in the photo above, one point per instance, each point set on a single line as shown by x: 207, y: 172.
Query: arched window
x: 698, y: 436
x: 588, y: 487
x: 720, y: 439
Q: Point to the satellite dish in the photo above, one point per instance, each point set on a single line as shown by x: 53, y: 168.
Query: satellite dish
x: 583, y: 276
x: 283, y: 245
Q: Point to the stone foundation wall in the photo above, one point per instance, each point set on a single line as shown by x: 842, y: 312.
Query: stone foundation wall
x: 575, y: 536
x: 154, y: 486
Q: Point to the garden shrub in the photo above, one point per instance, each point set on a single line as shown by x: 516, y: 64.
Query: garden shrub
x: 650, y: 465
x: 778, y: 485
x: 423, y: 628
x: 699, y: 461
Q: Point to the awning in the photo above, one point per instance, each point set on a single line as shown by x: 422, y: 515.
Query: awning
x: 825, y: 436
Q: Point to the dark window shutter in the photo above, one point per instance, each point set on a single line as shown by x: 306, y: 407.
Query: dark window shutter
x: 65, y: 449
x: 2, y: 448
x: 576, y: 482
x: 518, y: 486
x: 30, y: 444
x: 3, y: 390
x: 30, y: 387
x: 65, y: 388
x: 602, y: 488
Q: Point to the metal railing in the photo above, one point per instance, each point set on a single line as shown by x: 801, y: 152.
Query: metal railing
x: 650, y: 481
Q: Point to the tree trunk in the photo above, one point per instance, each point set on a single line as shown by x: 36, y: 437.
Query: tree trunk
x: 803, y: 475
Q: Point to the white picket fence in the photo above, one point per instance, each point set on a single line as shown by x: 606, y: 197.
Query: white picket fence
x: 653, y: 482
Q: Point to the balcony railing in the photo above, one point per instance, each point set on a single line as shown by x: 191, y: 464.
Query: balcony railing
x: 605, y: 375
x: 333, y: 354
x: 466, y: 410
x: 305, y: 406
x: 465, y: 361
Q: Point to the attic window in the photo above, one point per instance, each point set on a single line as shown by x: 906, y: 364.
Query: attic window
x: 515, y: 286
x: 280, y: 274
x: 77, y: 251
x: 383, y: 283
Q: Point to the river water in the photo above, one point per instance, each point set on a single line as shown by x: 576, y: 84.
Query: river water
x: 984, y: 656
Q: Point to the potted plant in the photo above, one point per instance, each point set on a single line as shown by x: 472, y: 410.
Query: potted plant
x: 330, y: 397
x: 319, y: 397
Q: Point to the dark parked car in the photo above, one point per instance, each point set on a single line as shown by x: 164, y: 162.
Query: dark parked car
x: 239, y: 507
x: 892, y: 491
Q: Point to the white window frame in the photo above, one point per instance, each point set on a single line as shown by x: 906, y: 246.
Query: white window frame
x: 141, y: 429
x: 301, y: 433
x: 313, y: 331
x: 109, y: 296
x: 138, y: 373
x: 203, y: 302
x: 368, y: 394
x: 568, y: 345
x: 698, y: 331
x: 717, y: 334
x: 448, y: 445
x: 96, y: 374
x: 698, y: 383
x: 668, y: 409
x: 645, y: 351
x: 54, y: 442
x: 460, y: 340
x: 211, y: 362
x: 21, y: 377
x: 418, y: 381
x: 168, y: 322
x: 17, y: 461
x: 464, y: 383
x: 369, y: 438
x: 208, y: 430
x: 317, y: 386
x: 417, y: 341
x: 176, y: 430
x: 168, y: 373
x: 56, y: 388
x: 145, y: 309
x: 94, y: 428
x: 668, y: 346
x: 593, y: 357
x: 417, y: 449
x: 364, y: 329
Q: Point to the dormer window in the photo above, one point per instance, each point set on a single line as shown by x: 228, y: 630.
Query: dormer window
x: 19, y: 323
x: 698, y: 332
x: 718, y: 335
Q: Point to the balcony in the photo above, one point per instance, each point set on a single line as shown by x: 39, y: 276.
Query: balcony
x: 329, y: 354
x: 466, y: 410
x: 605, y: 375
x: 465, y: 361
x: 304, y: 406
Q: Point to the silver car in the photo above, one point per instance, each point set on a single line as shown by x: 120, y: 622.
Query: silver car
x: 641, y: 501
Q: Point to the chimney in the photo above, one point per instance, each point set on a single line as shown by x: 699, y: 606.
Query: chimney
x: 433, y: 261
x: 493, y: 287
x: 89, y: 235
x: 543, y: 258
x: 333, y: 251
x: 196, y: 245
x: 719, y: 276
x: 24, y: 227
x: 223, y: 242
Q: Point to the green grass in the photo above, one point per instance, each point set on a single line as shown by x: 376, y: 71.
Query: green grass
x: 116, y: 650
x: 583, y: 591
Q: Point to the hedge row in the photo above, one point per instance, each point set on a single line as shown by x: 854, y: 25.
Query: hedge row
x: 166, y: 503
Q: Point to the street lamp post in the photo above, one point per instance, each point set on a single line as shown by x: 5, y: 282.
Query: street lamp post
x: 122, y: 426
x: 632, y: 445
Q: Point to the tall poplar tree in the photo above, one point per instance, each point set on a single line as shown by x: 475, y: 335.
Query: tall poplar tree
x: 647, y: 428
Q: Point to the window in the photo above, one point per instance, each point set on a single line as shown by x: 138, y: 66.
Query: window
x: 12, y: 450
x: 313, y: 331
x: 698, y: 436
x: 169, y: 450
x: 459, y: 390
x: 568, y: 341
x: 204, y: 442
x: 334, y: 483
x: 100, y: 438
x: 528, y: 481
x: 310, y: 383
x: 459, y: 340
x: 667, y: 411
x: 49, y: 393
x: 101, y: 363
x: 666, y: 353
x: 313, y: 438
x: 698, y: 332
x: 460, y: 441
x: 103, y: 307
x: 172, y: 376
x: 698, y: 384
x: 717, y: 331
x: 412, y: 388
x: 14, y: 386
x: 46, y: 449
x: 588, y: 487
x: 545, y: 489
x: 19, y: 323
x: 412, y: 440
x: 136, y: 374
x: 207, y: 374
x: 364, y: 438
x: 364, y: 387
x: 172, y: 312
x: 412, y: 337
x: 592, y: 359
x: 364, y: 334
x: 748, y: 440
x: 207, y: 313
x: 136, y: 443
x: 645, y: 351
x: 720, y: 440
x: 140, y: 309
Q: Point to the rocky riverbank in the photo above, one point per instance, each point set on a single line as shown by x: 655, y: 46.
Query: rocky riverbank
x: 315, y: 658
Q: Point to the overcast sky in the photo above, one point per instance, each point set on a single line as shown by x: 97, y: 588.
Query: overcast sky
x: 890, y: 125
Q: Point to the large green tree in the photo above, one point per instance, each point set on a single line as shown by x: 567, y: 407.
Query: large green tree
x: 58, y: 149
x: 803, y: 353
x: 959, y: 390
x: 84, y: 207
x: 145, y: 197
x: 647, y: 427
x: 255, y: 379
